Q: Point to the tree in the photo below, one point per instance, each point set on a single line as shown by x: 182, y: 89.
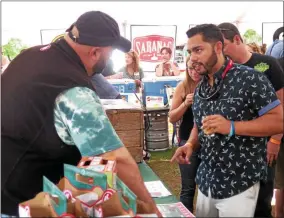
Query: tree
x: 13, y: 48
x: 252, y: 36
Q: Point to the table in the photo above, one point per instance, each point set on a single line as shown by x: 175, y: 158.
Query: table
x: 148, y: 175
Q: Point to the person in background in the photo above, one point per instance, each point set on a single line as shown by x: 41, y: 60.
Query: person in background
x: 52, y: 116
x: 253, y: 47
x: 269, y: 66
x: 103, y: 88
x: 131, y: 70
x: 108, y: 70
x: 233, y: 115
x: 167, y: 68
x: 4, y: 63
x: 279, y: 172
x: 276, y: 50
x: 181, y: 110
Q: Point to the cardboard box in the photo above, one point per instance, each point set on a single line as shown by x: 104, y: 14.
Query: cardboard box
x: 101, y: 165
x: 50, y: 203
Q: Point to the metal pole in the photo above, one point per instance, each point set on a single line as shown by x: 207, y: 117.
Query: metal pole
x: 124, y: 25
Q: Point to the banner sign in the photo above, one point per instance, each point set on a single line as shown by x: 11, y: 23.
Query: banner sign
x: 147, y: 41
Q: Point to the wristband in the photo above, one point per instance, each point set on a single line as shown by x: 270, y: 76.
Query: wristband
x: 274, y: 141
x: 232, y: 130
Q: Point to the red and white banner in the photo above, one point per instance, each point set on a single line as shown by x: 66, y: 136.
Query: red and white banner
x: 147, y: 41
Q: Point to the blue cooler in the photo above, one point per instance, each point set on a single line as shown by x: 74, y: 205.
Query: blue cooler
x: 157, y: 86
x: 123, y: 85
x: 127, y: 90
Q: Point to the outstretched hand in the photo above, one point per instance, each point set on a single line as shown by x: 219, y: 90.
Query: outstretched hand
x: 182, y: 154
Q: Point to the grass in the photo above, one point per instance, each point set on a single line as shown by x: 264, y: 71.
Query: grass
x: 167, y: 172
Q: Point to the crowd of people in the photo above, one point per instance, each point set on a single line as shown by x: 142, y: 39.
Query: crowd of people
x: 230, y: 109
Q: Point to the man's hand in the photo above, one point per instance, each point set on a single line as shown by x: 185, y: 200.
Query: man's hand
x: 183, y: 154
x: 125, y: 164
x: 272, y: 152
x: 216, y: 124
x: 146, y: 208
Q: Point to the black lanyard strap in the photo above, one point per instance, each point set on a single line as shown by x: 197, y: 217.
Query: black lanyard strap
x: 228, y: 67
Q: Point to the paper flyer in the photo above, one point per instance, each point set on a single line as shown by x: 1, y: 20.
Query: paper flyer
x: 157, y: 189
x: 174, y: 210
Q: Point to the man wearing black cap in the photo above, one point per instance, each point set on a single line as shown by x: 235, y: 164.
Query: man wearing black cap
x: 51, y: 115
x: 237, y: 51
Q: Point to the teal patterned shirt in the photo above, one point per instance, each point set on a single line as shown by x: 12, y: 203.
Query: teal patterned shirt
x: 81, y: 121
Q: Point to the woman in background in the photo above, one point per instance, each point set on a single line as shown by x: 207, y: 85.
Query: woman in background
x: 181, y: 110
x: 131, y: 70
x: 167, y: 68
x: 4, y: 63
x: 253, y: 47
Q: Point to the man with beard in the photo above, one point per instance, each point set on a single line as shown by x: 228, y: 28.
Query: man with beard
x: 51, y: 115
x: 232, y: 115
x: 103, y: 88
x: 269, y: 66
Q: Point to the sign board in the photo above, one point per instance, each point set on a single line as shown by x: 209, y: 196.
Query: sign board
x: 268, y: 29
x: 147, y: 41
x: 49, y: 35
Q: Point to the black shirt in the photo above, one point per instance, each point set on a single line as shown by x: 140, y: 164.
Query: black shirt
x: 186, y: 124
x: 230, y: 165
x: 281, y: 62
x: 270, y: 67
x: 31, y: 147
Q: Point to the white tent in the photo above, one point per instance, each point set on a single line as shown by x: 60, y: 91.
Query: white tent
x: 24, y: 20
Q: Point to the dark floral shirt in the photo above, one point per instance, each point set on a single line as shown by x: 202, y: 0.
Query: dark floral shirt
x: 230, y: 165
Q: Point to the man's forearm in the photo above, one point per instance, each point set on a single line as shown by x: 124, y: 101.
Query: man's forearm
x: 128, y: 172
x: 193, y: 138
x: 266, y: 125
x: 280, y: 96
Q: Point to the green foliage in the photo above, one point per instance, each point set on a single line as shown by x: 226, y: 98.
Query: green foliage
x: 252, y: 36
x: 13, y: 48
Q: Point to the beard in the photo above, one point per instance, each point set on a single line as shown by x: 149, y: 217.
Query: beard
x: 99, y: 66
x: 207, y: 66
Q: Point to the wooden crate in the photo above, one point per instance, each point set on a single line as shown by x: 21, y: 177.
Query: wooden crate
x: 128, y: 122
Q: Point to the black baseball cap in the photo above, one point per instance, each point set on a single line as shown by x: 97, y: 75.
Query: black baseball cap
x: 99, y: 30
x: 229, y: 30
